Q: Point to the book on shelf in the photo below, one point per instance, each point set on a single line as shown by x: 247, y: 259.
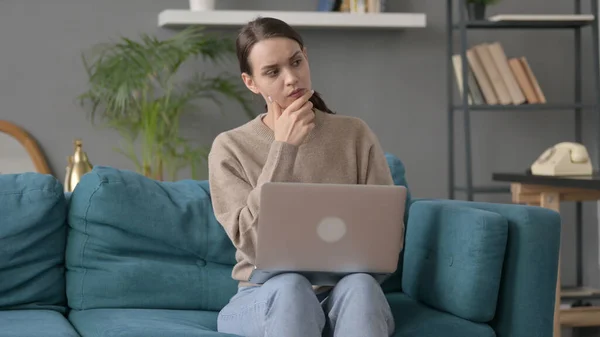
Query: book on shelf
x: 494, y: 78
x: 352, y: 6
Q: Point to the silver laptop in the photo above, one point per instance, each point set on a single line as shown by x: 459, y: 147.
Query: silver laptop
x: 327, y: 231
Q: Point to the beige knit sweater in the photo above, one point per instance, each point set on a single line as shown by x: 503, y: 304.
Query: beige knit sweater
x: 340, y: 149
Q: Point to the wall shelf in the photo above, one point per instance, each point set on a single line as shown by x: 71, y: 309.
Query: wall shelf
x: 526, y: 24
x: 529, y: 107
x: 175, y: 18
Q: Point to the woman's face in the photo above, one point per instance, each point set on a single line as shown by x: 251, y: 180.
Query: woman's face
x: 280, y: 70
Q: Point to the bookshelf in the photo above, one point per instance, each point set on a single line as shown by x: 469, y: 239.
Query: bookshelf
x: 578, y: 316
x: 462, y: 27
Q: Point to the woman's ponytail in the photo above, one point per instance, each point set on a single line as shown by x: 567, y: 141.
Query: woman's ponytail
x: 319, y: 103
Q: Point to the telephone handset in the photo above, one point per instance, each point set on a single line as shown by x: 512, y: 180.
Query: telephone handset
x: 563, y: 159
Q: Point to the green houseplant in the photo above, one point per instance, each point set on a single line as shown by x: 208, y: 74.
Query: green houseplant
x: 135, y: 88
x: 476, y: 8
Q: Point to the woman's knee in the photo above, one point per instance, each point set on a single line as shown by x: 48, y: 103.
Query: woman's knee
x: 361, y: 288
x: 359, y: 281
x: 292, y: 299
x: 360, y: 296
x: 285, y: 305
x: 289, y: 282
x: 292, y: 289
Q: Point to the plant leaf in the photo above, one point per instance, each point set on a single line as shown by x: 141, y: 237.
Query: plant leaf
x: 134, y: 88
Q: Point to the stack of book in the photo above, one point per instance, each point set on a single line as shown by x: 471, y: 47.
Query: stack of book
x: 495, y: 79
x: 352, y: 6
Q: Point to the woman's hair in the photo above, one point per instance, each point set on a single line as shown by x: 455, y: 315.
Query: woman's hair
x: 262, y: 29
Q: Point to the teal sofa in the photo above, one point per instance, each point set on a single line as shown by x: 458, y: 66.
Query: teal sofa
x: 126, y: 256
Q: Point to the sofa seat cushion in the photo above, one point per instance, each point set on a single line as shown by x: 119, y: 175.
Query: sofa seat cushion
x: 35, y: 323
x: 416, y: 319
x: 33, y: 234
x: 145, y: 322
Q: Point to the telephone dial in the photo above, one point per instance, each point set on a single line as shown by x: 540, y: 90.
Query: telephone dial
x: 563, y: 159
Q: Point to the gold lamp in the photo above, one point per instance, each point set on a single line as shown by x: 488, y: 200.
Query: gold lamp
x: 78, y: 165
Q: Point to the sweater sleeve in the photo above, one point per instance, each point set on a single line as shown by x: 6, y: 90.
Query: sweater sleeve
x: 377, y: 168
x: 235, y: 201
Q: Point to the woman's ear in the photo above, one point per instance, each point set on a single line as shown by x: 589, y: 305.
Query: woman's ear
x: 249, y: 82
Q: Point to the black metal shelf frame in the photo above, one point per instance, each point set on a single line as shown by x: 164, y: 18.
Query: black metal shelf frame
x: 577, y: 106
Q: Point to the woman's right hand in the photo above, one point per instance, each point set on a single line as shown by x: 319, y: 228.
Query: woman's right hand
x: 293, y: 124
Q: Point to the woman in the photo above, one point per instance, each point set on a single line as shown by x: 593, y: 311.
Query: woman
x: 298, y: 139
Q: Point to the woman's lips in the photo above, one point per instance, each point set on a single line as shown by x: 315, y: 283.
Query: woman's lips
x: 297, y: 93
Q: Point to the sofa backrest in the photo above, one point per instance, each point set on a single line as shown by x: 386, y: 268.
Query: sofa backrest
x: 394, y: 282
x: 131, y: 242
x: 136, y: 242
x: 33, y: 233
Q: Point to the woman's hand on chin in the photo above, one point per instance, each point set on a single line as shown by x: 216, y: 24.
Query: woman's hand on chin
x: 294, y: 123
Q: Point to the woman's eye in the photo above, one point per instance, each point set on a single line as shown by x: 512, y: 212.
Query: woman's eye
x: 297, y: 62
x: 271, y: 73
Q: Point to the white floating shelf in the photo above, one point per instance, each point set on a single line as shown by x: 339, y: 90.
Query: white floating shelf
x: 173, y: 18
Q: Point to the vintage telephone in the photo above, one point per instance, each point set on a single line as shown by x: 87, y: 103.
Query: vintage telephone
x: 563, y: 159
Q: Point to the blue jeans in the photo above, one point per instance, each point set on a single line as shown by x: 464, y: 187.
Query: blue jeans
x: 286, y: 305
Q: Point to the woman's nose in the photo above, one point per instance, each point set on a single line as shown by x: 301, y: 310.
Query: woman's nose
x: 291, y: 77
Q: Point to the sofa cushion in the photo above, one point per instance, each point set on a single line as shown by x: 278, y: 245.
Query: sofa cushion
x: 34, y: 323
x: 415, y: 319
x: 138, y: 243
x: 398, y: 174
x: 145, y: 322
x: 394, y: 282
x: 32, y: 242
x: 453, y: 258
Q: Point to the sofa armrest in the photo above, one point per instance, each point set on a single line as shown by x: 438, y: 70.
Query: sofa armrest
x: 526, y: 296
